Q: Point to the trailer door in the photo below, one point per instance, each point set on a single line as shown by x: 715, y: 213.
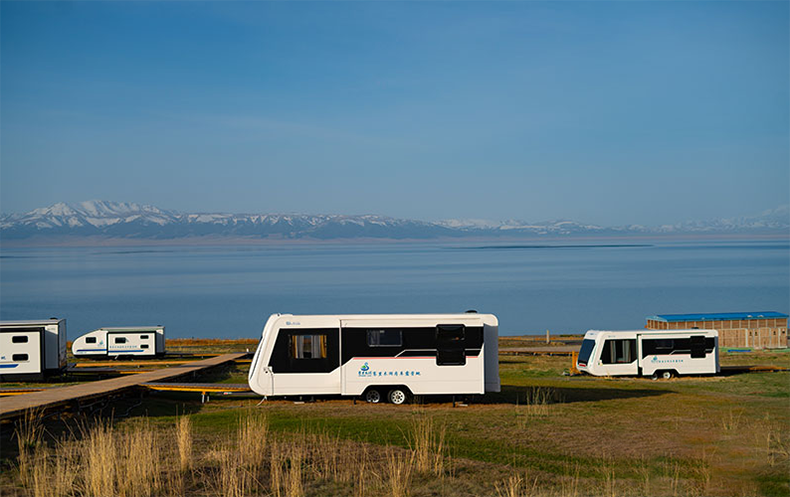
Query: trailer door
x: 618, y: 356
x: 306, y: 359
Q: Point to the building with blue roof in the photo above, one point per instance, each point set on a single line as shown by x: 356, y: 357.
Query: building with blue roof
x: 758, y: 329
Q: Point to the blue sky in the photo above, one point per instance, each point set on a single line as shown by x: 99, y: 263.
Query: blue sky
x: 606, y: 112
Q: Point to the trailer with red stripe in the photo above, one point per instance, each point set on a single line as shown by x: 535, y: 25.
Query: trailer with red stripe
x: 379, y: 357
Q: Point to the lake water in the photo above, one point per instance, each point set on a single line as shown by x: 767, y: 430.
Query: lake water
x: 228, y: 292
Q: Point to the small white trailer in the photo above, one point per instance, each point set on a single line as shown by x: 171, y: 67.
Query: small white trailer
x: 132, y: 341
x: 31, y: 350
x: 656, y: 353
x: 379, y: 357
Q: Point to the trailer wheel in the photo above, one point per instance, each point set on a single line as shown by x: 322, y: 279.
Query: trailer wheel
x: 664, y: 375
x: 373, y: 396
x: 397, y: 396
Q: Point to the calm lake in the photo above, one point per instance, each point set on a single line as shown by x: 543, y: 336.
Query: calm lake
x: 229, y: 291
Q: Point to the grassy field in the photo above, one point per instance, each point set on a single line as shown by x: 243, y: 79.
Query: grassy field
x: 544, y: 434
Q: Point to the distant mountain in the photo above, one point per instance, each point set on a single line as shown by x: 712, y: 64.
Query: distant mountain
x: 133, y: 221
x: 129, y: 220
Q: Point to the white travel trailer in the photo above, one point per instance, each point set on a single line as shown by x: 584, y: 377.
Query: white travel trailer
x: 389, y: 356
x: 31, y: 350
x: 656, y: 353
x: 133, y: 341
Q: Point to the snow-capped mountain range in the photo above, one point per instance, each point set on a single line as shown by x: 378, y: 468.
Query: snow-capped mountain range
x: 134, y: 221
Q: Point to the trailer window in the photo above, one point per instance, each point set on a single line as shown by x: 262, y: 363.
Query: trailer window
x: 19, y: 357
x: 144, y: 346
x: 450, y: 345
x: 143, y: 337
x: 385, y: 338
x: 90, y: 339
x: 19, y: 339
x: 664, y: 344
x: 698, y: 347
x: 120, y: 340
x: 618, y: 351
x: 308, y: 346
x: 587, y: 348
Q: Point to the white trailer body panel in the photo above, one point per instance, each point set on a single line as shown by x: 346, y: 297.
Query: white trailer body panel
x: 91, y: 343
x: 134, y: 341
x: 645, y: 352
x: 347, y: 354
x: 131, y: 343
x: 21, y: 352
x: 32, y: 348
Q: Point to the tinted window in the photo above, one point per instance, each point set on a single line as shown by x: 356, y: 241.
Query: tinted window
x: 697, y: 347
x: 586, y: 350
x: 450, y: 345
x: 19, y: 339
x: 664, y: 344
x: 19, y: 357
x: 90, y: 339
x: 120, y: 340
x: 143, y: 337
x: 144, y: 346
x: 385, y: 338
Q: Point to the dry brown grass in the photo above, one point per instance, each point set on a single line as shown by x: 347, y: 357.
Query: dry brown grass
x: 100, y: 458
x: 137, y: 458
x: 427, y: 441
x: 398, y: 473
x: 659, y: 444
x: 28, y: 433
x: 517, y: 486
x: 53, y: 476
x: 252, y: 436
x: 773, y: 440
x: 184, y: 441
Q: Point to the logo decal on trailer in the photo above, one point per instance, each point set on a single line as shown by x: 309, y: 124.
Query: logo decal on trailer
x: 365, y: 372
x: 656, y: 360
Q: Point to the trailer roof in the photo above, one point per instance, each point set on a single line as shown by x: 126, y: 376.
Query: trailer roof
x: 32, y: 322
x: 721, y: 316
x: 133, y: 328
x: 645, y: 331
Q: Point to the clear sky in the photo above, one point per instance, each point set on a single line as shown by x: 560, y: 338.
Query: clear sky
x: 604, y: 112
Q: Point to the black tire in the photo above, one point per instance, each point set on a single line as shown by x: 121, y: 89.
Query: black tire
x: 372, y: 396
x: 667, y: 375
x: 398, y: 396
